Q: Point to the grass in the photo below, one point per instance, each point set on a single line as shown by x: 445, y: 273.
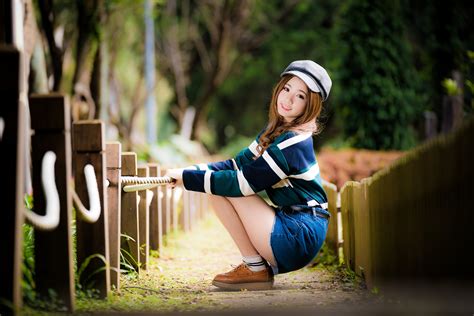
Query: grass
x: 171, y: 282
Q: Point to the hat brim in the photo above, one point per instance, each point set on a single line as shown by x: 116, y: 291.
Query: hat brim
x: 306, y: 79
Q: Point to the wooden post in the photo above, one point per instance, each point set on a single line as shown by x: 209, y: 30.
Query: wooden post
x: 332, y: 239
x: 114, y: 164
x: 183, y: 216
x: 168, y: 206
x: 12, y: 175
x: 92, y: 238
x: 347, y: 213
x: 143, y: 221
x: 174, y: 210
x: 155, y: 210
x: 54, y: 267
x: 191, y: 210
x: 205, y: 204
x: 129, y: 213
x: 161, y: 190
x: 201, y: 204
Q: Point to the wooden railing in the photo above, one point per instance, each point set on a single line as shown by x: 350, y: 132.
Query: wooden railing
x: 413, y: 220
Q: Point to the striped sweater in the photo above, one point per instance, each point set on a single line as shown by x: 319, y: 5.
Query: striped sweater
x: 287, y: 171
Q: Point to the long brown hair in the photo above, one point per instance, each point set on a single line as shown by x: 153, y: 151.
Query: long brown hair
x: 277, y: 125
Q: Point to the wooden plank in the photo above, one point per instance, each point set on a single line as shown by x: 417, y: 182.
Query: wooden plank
x: 332, y: 233
x: 348, y: 223
x: 129, y: 214
x: 183, y: 214
x: 50, y: 120
x: 168, y: 206
x: 11, y: 191
x: 205, y: 204
x: 54, y: 265
x: 192, y: 209
x: 160, y: 196
x: 143, y: 221
x: 6, y: 26
x: 174, y: 210
x: 10, y: 78
x: 88, y: 136
x: 114, y: 163
x: 155, y: 210
x: 92, y: 238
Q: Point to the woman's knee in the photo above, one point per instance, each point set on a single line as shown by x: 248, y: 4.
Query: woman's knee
x: 220, y: 204
x: 217, y: 200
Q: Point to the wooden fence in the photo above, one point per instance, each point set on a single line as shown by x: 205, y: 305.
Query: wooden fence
x: 143, y: 216
x: 413, y: 220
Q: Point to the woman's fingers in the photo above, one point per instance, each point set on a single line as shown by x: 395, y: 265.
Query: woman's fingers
x: 176, y: 175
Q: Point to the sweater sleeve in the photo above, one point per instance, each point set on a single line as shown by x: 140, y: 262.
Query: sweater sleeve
x: 245, y: 156
x: 248, y: 154
x: 254, y: 176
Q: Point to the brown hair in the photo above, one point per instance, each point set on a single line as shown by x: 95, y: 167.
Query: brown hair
x: 277, y: 125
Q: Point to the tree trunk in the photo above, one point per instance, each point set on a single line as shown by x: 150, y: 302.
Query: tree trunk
x: 56, y: 53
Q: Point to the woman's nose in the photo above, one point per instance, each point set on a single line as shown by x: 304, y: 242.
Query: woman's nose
x: 288, y: 98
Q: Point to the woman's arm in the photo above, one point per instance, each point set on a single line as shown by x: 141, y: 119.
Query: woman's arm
x: 254, y: 176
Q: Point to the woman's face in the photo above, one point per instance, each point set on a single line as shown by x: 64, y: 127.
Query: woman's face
x: 292, y: 99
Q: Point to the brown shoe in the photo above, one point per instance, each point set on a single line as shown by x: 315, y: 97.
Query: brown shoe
x: 242, y: 278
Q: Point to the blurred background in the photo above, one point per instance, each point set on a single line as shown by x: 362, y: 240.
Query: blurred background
x: 179, y: 81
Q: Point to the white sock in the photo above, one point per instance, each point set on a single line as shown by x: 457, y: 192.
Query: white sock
x: 255, y: 263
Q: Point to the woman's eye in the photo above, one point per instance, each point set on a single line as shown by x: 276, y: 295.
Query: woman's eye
x: 286, y: 89
x: 301, y: 96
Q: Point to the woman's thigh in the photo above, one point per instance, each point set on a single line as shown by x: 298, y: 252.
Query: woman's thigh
x: 258, y: 219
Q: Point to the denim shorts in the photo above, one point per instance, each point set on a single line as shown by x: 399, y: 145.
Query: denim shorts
x: 296, y: 239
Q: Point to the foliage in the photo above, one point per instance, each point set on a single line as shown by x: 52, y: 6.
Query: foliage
x: 223, y: 58
x: 325, y: 257
x: 451, y: 86
x: 127, y: 262
x: 378, y: 82
x: 28, y: 285
x: 28, y: 266
x: 241, y: 104
x: 440, y: 34
x: 235, y: 146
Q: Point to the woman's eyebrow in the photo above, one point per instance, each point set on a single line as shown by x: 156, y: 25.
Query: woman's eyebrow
x: 303, y: 92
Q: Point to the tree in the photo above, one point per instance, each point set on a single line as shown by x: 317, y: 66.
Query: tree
x: 306, y: 32
x: 200, y: 43
x: 377, y: 77
x: 441, y: 36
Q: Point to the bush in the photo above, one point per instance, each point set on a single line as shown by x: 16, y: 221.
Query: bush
x: 378, y: 80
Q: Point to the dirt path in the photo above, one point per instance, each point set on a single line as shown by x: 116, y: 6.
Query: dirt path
x: 180, y: 280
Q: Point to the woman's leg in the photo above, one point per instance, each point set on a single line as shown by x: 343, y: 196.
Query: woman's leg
x: 231, y: 221
x: 258, y: 219
x: 249, y: 220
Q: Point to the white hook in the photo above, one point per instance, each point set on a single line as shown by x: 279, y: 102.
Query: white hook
x: 50, y: 220
x: 2, y: 127
x: 92, y: 215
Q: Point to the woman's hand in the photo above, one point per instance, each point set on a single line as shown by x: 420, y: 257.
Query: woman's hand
x: 175, y: 174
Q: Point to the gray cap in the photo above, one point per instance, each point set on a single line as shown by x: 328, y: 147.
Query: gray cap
x: 316, y: 77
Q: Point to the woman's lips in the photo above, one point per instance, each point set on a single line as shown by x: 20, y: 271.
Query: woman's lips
x: 285, y: 108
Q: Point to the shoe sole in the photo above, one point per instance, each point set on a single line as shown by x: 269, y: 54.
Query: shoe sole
x: 251, y: 286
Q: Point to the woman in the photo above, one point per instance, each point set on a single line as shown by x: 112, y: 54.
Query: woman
x: 282, y: 162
